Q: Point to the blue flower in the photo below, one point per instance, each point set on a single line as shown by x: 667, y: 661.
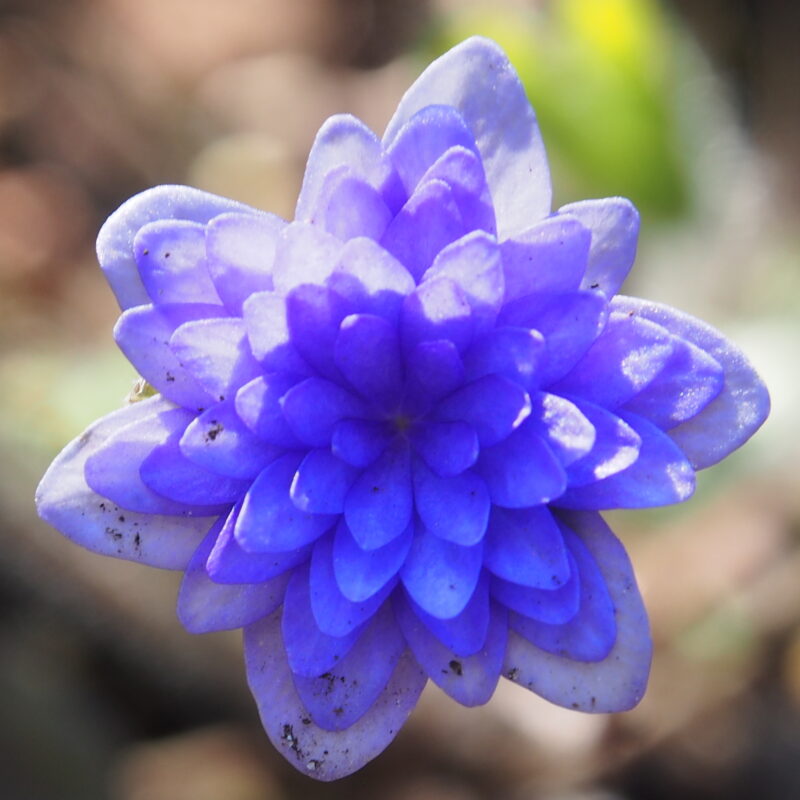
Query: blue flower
x: 384, y: 430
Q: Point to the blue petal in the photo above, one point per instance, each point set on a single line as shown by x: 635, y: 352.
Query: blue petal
x: 660, y: 475
x: 219, y: 441
x: 477, y: 79
x: 359, y: 442
x: 313, y: 406
x: 525, y: 546
x: 348, y: 206
x: 340, y: 697
x: 614, y: 223
x: 549, y: 257
x: 229, y: 563
x: 345, y: 140
x: 362, y: 573
x: 310, y: 652
x: 554, y: 606
x: 740, y: 408
x: 591, y: 633
x: 493, y: 405
x: 461, y: 169
x: 217, y: 354
x: 441, y: 576
x: 241, y: 251
x: 115, y: 240
x: 258, y: 406
x: 435, y: 368
x: 470, y: 680
x: 171, y: 256
x: 455, y: 508
x: 374, y: 280
x: 321, y: 483
x: 569, y: 322
x: 367, y: 352
x: 314, y: 314
x: 428, y: 222
x: 65, y: 501
x: 512, y: 352
x: 568, y: 432
x: 616, y: 446
x: 205, y: 606
x: 334, y: 613
x: 113, y: 470
x: 624, y: 359
x: 473, y: 264
x: 143, y: 335
x: 618, y: 682
x: 325, y: 755
x: 687, y: 384
x: 464, y: 634
x: 428, y: 134
x: 269, y: 521
x: 267, y: 326
x: 521, y: 471
x: 447, y: 447
x: 378, y: 506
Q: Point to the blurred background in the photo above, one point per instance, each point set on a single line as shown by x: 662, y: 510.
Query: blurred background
x: 690, y: 109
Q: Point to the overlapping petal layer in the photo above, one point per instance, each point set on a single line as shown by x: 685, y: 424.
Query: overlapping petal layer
x: 385, y: 429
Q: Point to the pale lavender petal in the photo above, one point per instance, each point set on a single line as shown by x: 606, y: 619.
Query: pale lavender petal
x: 240, y: 249
x: 551, y: 256
x: 65, y: 501
x: 304, y: 254
x: 205, y: 606
x: 477, y: 79
x: 740, y: 408
x: 470, y: 680
x: 115, y: 240
x: 348, y: 207
x: 473, y: 264
x: 216, y: 353
x: 614, y: 223
x: 267, y: 329
x: 428, y: 222
x: 171, y: 256
x: 340, y: 697
x: 325, y: 755
x: 343, y: 139
x: 618, y: 682
x: 258, y: 406
x: 143, y: 334
x: 428, y: 134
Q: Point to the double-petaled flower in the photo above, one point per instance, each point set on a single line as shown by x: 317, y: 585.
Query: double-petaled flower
x: 383, y: 431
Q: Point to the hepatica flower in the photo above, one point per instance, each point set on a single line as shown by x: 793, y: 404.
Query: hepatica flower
x: 384, y: 431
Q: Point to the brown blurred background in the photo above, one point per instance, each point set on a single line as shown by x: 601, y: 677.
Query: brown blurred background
x: 691, y: 109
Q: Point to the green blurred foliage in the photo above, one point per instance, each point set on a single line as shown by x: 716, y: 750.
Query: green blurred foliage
x: 601, y: 75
